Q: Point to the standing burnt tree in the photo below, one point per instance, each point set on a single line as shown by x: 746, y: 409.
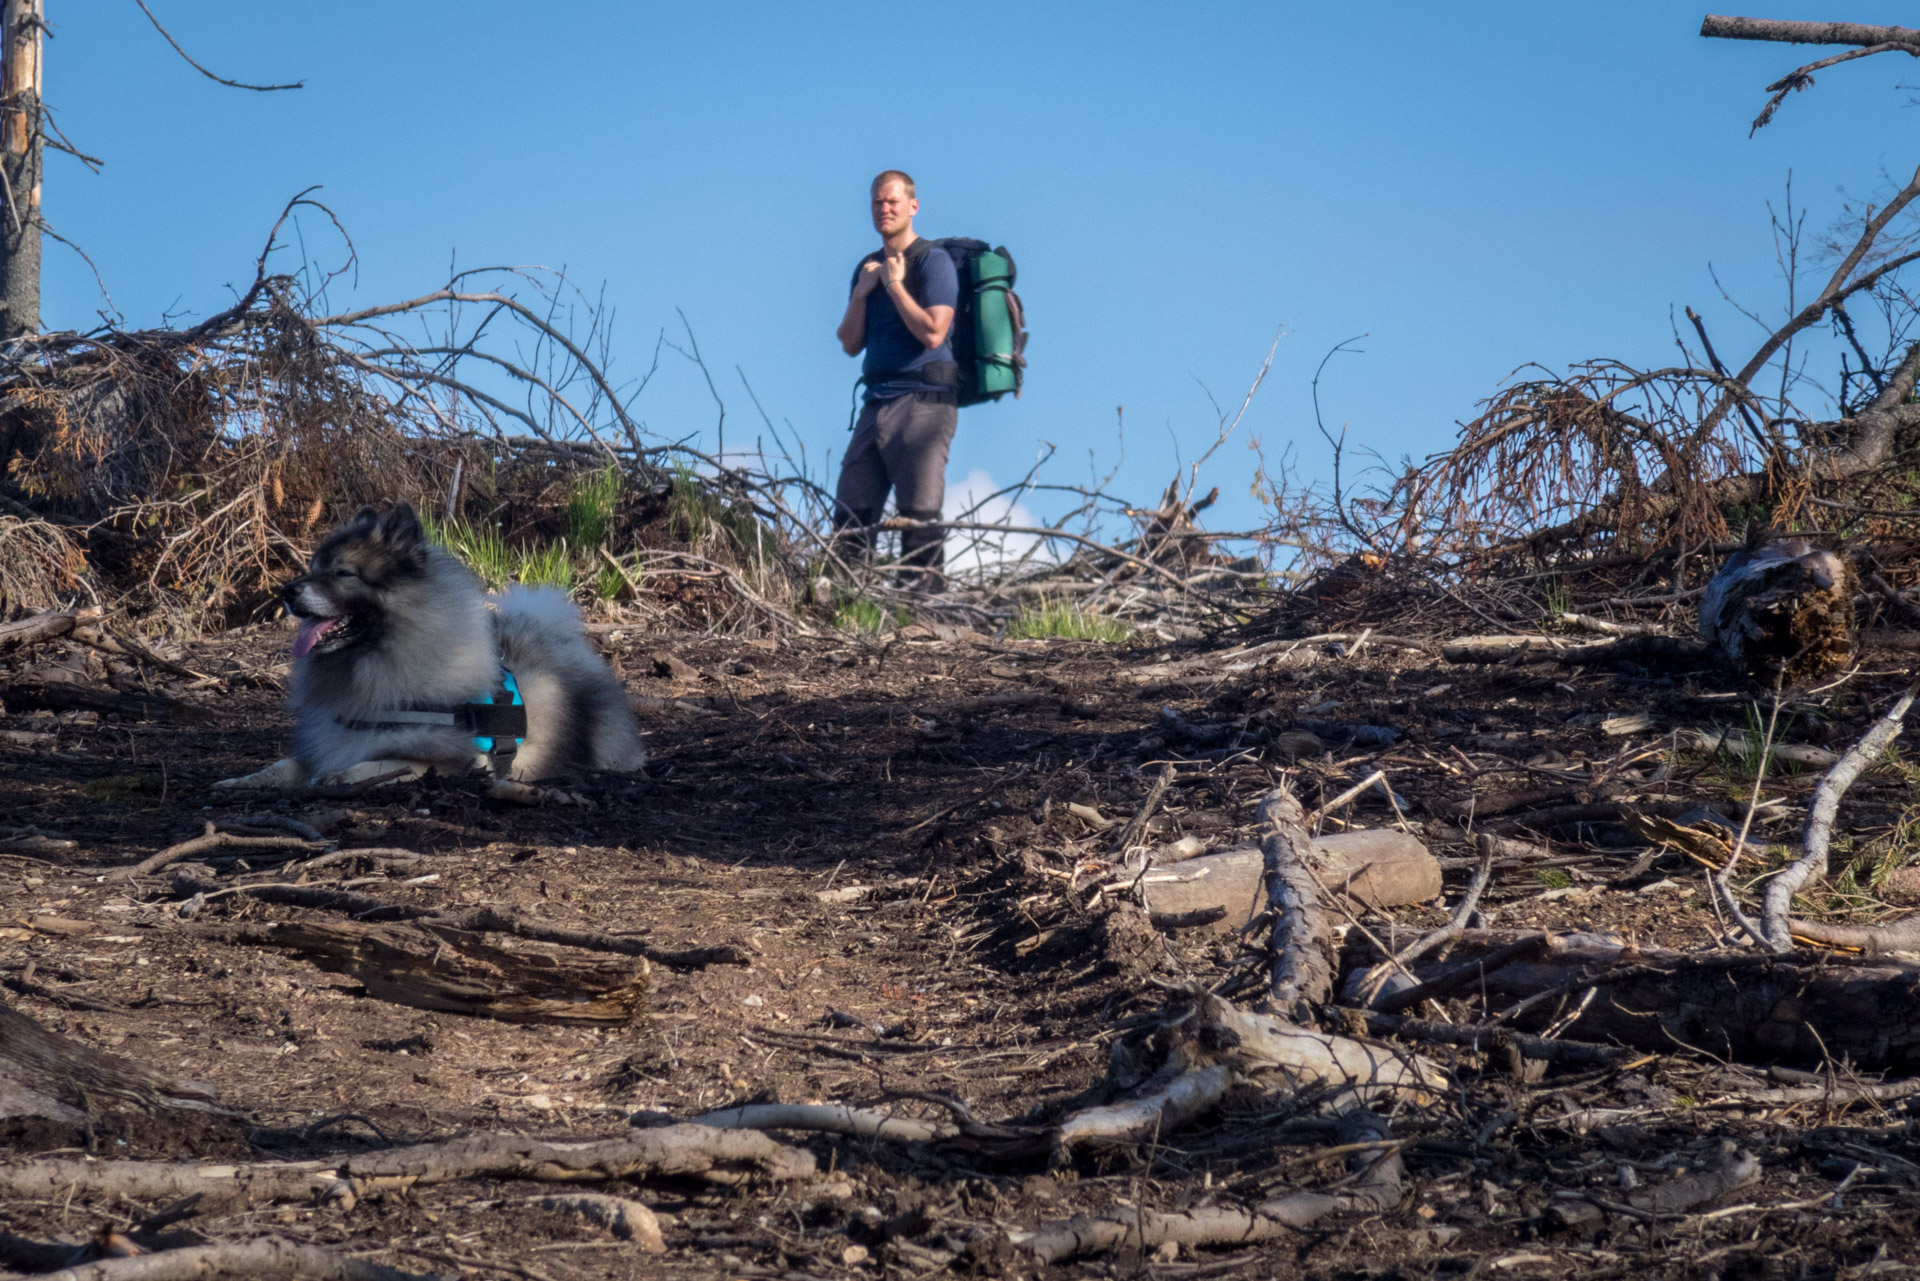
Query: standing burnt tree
x: 24, y: 22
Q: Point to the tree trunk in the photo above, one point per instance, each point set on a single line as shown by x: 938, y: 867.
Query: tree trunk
x: 21, y: 25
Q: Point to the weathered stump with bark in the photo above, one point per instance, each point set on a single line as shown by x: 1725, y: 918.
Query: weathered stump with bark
x: 1782, y: 611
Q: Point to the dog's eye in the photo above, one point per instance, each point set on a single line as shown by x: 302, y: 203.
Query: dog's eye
x: 344, y: 573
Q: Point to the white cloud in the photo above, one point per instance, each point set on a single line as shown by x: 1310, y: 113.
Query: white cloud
x: 972, y: 553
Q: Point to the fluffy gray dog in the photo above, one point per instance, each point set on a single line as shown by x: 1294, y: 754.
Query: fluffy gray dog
x: 400, y: 663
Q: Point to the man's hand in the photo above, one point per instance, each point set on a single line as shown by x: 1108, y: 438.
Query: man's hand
x: 870, y: 278
x: 896, y: 268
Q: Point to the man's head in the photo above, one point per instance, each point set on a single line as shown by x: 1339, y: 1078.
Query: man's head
x: 893, y: 203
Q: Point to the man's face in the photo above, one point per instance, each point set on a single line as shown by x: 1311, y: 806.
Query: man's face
x: 893, y: 208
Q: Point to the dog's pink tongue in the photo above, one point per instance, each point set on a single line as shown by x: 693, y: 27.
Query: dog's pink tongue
x: 311, y: 630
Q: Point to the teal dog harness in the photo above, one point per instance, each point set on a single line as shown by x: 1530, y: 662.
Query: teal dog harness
x: 498, y: 724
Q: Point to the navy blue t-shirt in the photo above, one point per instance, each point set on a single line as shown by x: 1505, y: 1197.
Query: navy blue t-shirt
x: 891, y: 346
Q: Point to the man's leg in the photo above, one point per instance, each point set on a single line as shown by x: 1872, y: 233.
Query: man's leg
x: 916, y: 458
x: 862, y: 493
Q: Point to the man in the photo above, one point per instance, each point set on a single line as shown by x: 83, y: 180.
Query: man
x: 901, y: 313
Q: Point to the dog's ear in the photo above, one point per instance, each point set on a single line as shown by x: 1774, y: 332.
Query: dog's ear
x: 400, y: 529
x: 363, y: 521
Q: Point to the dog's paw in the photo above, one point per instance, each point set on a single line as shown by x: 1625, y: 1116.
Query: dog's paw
x: 281, y: 776
x: 373, y: 773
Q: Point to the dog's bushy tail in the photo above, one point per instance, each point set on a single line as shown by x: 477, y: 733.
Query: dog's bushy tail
x: 583, y: 716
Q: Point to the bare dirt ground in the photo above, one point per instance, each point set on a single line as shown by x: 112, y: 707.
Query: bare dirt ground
x: 905, y: 836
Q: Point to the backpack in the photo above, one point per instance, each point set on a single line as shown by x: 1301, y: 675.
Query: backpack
x: 989, y: 326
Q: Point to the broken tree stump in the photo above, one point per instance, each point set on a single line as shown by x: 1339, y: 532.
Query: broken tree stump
x: 1782, y: 611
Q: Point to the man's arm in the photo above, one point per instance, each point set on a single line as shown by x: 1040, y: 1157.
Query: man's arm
x: 853, y: 325
x: 928, y: 324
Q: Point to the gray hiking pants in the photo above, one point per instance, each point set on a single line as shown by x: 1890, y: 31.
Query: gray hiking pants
x: 899, y: 444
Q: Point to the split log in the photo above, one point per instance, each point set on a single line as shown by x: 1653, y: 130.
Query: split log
x: 1377, y: 867
x: 1378, y: 1188
x: 43, y: 1074
x: 1782, y: 611
x: 451, y: 971
x: 725, y: 1157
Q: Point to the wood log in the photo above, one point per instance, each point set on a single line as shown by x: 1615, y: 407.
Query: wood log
x: 1782, y: 611
x: 1378, y: 867
x: 1300, y: 950
x: 448, y: 970
x: 46, y: 1075
x: 1735, y: 1006
x: 61, y: 696
x: 274, y: 1257
x: 46, y: 625
x: 672, y: 1151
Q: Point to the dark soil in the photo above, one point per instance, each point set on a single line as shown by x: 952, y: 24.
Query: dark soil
x: 900, y: 860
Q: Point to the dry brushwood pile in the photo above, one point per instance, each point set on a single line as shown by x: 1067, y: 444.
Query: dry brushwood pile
x: 1371, y: 952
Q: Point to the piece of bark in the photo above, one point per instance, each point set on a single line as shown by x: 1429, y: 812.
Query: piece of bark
x: 1781, y: 612
x: 1377, y: 867
x: 451, y: 971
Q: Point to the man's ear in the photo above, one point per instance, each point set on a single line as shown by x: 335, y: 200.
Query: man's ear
x: 400, y: 528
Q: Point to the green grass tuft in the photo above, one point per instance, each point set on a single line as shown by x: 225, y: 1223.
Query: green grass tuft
x: 862, y: 615
x: 1058, y: 618
x: 480, y: 547
x: 592, y: 506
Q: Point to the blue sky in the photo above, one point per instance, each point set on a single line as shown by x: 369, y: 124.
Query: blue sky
x: 1473, y: 186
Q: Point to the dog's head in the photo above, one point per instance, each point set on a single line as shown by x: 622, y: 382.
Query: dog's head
x: 341, y: 599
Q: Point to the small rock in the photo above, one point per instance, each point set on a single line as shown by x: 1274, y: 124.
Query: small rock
x: 753, y: 1000
x: 854, y: 1255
